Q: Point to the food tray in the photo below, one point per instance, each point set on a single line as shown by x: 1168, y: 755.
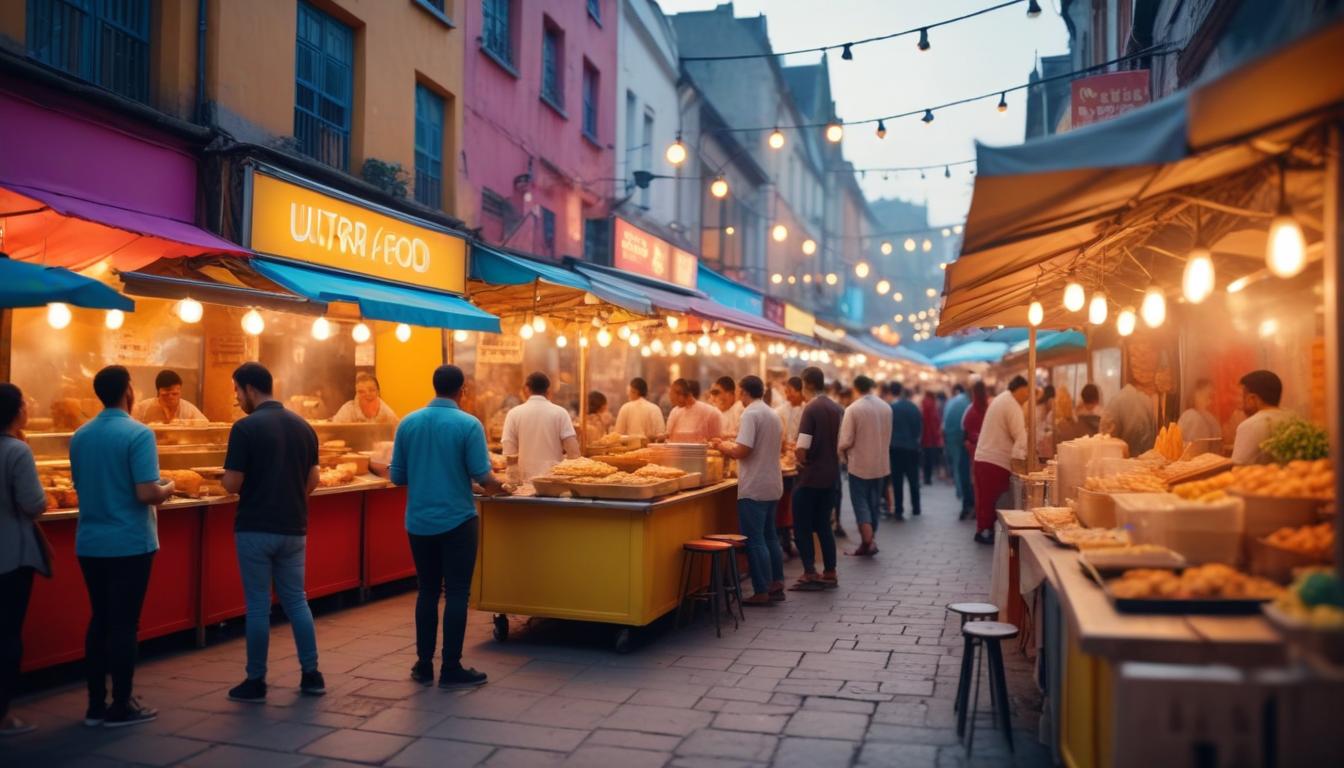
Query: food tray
x: 623, y: 492
x: 551, y: 486
x: 1198, y: 473
x: 688, y: 481
x: 1267, y: 514
x: 1278, y: 563
x: 623, y: 463
x: 1203, y: 606
x: 1053, y: 535
x: 1111, y: 561
x: 209, y: 472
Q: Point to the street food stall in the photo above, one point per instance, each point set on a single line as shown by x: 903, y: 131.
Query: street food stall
x: 1179, y: 603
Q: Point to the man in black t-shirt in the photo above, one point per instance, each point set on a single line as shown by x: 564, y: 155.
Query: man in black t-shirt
x: 818, y: 476
x: 272, y: 465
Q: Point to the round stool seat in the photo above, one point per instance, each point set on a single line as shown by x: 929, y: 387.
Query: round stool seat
x: 989, y: 630
x: 973, y: 609
x: 737, y: 540
x: 705, y: 545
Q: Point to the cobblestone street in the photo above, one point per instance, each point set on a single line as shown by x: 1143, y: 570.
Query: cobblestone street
x: 863, y: 675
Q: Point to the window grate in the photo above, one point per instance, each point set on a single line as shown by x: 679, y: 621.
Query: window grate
x: 323, y: 89
x: 595, y: 10
x: 105, y: 42
x: 550, y: 67
x: 590, y: 101
x: 548, y: 230
x: 496, y: 34
x: 428, y: 147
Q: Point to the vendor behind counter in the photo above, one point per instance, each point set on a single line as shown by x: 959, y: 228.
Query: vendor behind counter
x: 167, y: 406
x: 367, y: 407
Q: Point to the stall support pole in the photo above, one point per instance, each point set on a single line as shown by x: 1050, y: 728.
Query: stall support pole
x: 1334, y: 321
x: 1087, y: 350
x: 761, y: 367
x: 583, y: 396
x: 6, y: 342
x: 1031, y: 399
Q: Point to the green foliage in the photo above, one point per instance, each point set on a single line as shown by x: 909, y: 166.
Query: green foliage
x: 1297, y: 439
x: 389, y: 177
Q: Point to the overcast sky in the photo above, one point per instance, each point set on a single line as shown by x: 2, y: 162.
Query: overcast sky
x: 986, y: 54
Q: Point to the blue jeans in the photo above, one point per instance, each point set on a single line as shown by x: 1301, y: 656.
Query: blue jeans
x: 960, y: 462
x: 866, y: 496
x: 765, y: 559
x: 263, y: 558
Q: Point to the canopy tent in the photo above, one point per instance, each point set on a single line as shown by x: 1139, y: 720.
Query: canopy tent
x: 730, y: 293
x: 1051, y: 342
x: 378, y: 300
x: 508, y: 283
x: 972, y: 352
x: 33, y: 285
x: 1116, y: 205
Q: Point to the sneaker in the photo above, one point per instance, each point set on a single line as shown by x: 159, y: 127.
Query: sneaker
x: 249, y: 691
x: 13, y: 726
x: 840, y: 533
x: 129, y: 713
x: 312, y: 684
x: 423, y: 672
x: 984, y: 537
x: 916, y: 513
x: 462, y: 677
x: 95, y: 714
x: 758, y: 599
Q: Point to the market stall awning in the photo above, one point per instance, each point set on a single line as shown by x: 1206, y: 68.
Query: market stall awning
x: 106, y: 194
x: 872, y: 346
x: 971, y: 352
x: 730, y: 293
x: 1053, y: 342
x: 1119, y: 197
x: 497, y: 267
x: 378, y: 300
x: 31, y: 285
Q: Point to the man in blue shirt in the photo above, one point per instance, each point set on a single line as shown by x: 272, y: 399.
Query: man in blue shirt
x: 907, y: 425
x: 439, y: 450
x: 957, y: 458
x: 114, y: 463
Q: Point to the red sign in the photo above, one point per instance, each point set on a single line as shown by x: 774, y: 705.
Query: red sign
x: 638, y: 251
x: 1102, y: 97
x: 773, y: 310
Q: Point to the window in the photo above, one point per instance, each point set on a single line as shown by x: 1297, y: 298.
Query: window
x: 646, y: 156
x: 323, y: 90
x: 590, y: 100
x: 552, y: 54
x: 631, y: 137
x: 105, y: 42
x: 595, y: 10
x: 548, y: 230
x: 497, y: 31
x: 428, y: 147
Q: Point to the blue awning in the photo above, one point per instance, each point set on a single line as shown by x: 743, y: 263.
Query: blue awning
x: 972, y: 352
x: 730, y: 293
x: 1048, y: 341
x: 495, y: 267
x: 378, y: 300
x: 685, y: 301
x: 24, y: 284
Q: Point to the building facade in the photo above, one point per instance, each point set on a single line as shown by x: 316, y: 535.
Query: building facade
x: 648, y: 105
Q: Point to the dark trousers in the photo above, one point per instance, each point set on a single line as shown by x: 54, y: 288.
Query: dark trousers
x: 812, y: 515
x: 443, y: 565
x: 117, y: 587
x: 905, y: 467
x: 933, y: 457
x: 15, y: 588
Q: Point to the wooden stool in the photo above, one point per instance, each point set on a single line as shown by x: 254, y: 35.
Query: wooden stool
x: 969, y: 612
x: 739, y: 543
x: 982, y: 637
x: 720, y: 554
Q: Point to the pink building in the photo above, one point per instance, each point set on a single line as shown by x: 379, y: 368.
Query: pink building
x: 539, y: 121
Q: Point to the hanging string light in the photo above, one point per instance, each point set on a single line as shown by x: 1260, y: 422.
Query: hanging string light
x: 883, y: 287
x: 460, y: 336
x: 1033, y: 10
x: 861, y: 270
x: 834, y: 133
x: 403, y: 332
x: 776, y: 140
x: 780, y: 233
x: 910, y: 245
x: 1154, y: 307
x: 253, y: 323
x: 923, y: 44
x: 1125, y: 321
x: 525, y: 331
x: 947, y: 174
x: 886, y: 248
x: 930, y: 292
x: 809, y: 247
x: 676, y: 151
x: 603, y: 337
x: 729, y: 230
x: 1074, y: 296
x: 832, y: 278
x: 807, y: 278
x: 928, y: 116
x: 1097, y: 309
x: 928, y: 245
x: 114, y: 319
x: 1286, y: 254
x: 190, y: 310
x: 793, y: 279
x: 321, y: 329
x: 881, y: 129
x: 1035, y: 314
x: 561, y: 341
x: 59, y: 315
x: 719, y: 187
x: 1239, y: 285
x: 776, y: 278
x: 672, y: 322
x: 847, y: 54
x: 1003, y: 102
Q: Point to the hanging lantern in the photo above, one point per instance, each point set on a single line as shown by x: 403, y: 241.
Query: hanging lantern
x: 190, y: 311
x: 403, y: 332
x: 253, y: 323
x: 1154, y: 307
x: 1125, y: 321
x: 1074, y: 296
x: 1198, y: 278
x: 361, y: 333
x: 1035, y: 314
x: 114, y: 319
x: 59, y: 315
x: 1097, y: 309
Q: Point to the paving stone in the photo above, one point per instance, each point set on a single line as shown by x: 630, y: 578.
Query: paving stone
x: 746, y: 721
x: 588, y: 756
x: 655, y: 698
x: 562, y: 712
x: 403, y: 721
x: 739, y: 694
x: 508, y: 734
x: 827, y: 725
x: 709, y: 742
x: 434, y: 753
x: 229, y: 756
x: 813, y: 753
x: 888, y: 755
x: 831, y: 704
x: 911, y: 734
x: 523, y: 758
x: 255, y: 732
x: 151, y: 749
x: 361, y: 746
x: 648, y: 719
x: 652, y: 742
x: 770, y: 658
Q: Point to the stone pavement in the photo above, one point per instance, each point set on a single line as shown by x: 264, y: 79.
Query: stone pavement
x: 863, y: 675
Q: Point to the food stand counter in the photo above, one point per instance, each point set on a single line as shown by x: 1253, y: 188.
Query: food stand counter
x: 616, y: 562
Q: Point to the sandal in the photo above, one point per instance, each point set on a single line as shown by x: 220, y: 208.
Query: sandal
x: 830, y: 581
x: 861, y: 551
x: 758, y: 599
x: 809, y: 585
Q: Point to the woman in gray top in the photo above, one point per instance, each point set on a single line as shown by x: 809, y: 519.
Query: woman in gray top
x: 22, y: 500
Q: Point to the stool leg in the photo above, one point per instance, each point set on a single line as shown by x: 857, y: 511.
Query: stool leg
x: 975, y: 697
x: 735, y: 583
x: 996, y: 673
x: 728, y: 587
x: 715, y: 590
x: 964, y: 683
x: 686, y: 558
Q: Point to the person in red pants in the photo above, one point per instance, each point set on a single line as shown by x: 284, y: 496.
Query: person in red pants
x: 1003, y: 437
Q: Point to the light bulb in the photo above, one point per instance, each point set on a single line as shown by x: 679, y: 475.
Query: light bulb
x: 1197, y: 279
x: 792, y: 279
x: 930, y: 292
x: 776, y: 139
x: 59, y: 315
x: 883, y: 287
x: 253, y: 323
x: 525, y: 331
x: 1097, y: 310
x: 750, y: 348
x: 703, y: 341
x: 923, y: 43
x: 672, y: 322
x: 881, y: 130
x: 677, y: 346
x: 634, y: 339
x: 715, y: 349
x: 1268, y: 327
x: 793, y: 353
x: 360, y: 333
x: 114, y: 319
x: 780, y: 233
x: 1035, y: 314
x: 459, y: 336
x: 321, y: 329
x: 730, y: 346
x: 719, y: 188
x: 1239, y: 285
x: 898, y: 296
x: 539, y: 324
x: 807, y: 278
x: 561, y: 341
x: 1286, y: 255
x: 861, y: 270
x: 834, y: 133
x: 886, y: 248
x: 583, y: 340
x: 898, y: 318
x: 928, y: 245
x: 776, y: 278
x: 1125, y: 321
x: 657, y: 346
x: 645, y: 352
x: 403, y: 332
x: 1003, y: 102
x: 729, y: 230
x: 623, y: 332
x: 190, y: 311
x: 832, y: 278
x: 1154, y: 307
x: 809, y: 247
x: 604, y: 338
x: 676, y: 152
x: 691, y: 350
x: 1074, y: 297
x: 910, y: 245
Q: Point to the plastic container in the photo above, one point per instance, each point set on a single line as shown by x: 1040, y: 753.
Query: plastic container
x: 1267, y: 514
x: 1072, y: 457
x: 688, y: 457
x: 1202, y: 533
x: 1095, y: 509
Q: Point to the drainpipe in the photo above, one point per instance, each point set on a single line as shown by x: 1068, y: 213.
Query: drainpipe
x: 201, y: 9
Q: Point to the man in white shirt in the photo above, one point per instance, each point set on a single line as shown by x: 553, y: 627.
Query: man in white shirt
x: 168, y: 406
x: 865, y: 440
x: 538, y: 434
x: 1261, y: 392
x: 760, y: 484
x: 1003, y: 437
x: 692, y: 420
x: 723, y: 394
x: 639, y: 416
x: 790, y: 409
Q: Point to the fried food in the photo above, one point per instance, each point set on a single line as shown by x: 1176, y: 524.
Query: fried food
x: 185, y: 481
x: 1312, y: 540
x: 1295, y: 480
x: 659, y: 472
x: 1212, y: 581
x: 582, y: 469
x: 1138, y: 481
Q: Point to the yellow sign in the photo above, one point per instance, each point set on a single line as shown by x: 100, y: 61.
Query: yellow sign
x: 799, y: 321
x: 298, y: 223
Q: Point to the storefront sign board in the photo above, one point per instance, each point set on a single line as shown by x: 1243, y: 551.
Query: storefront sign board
x: 1102, y: 97
x: 637, y: 251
